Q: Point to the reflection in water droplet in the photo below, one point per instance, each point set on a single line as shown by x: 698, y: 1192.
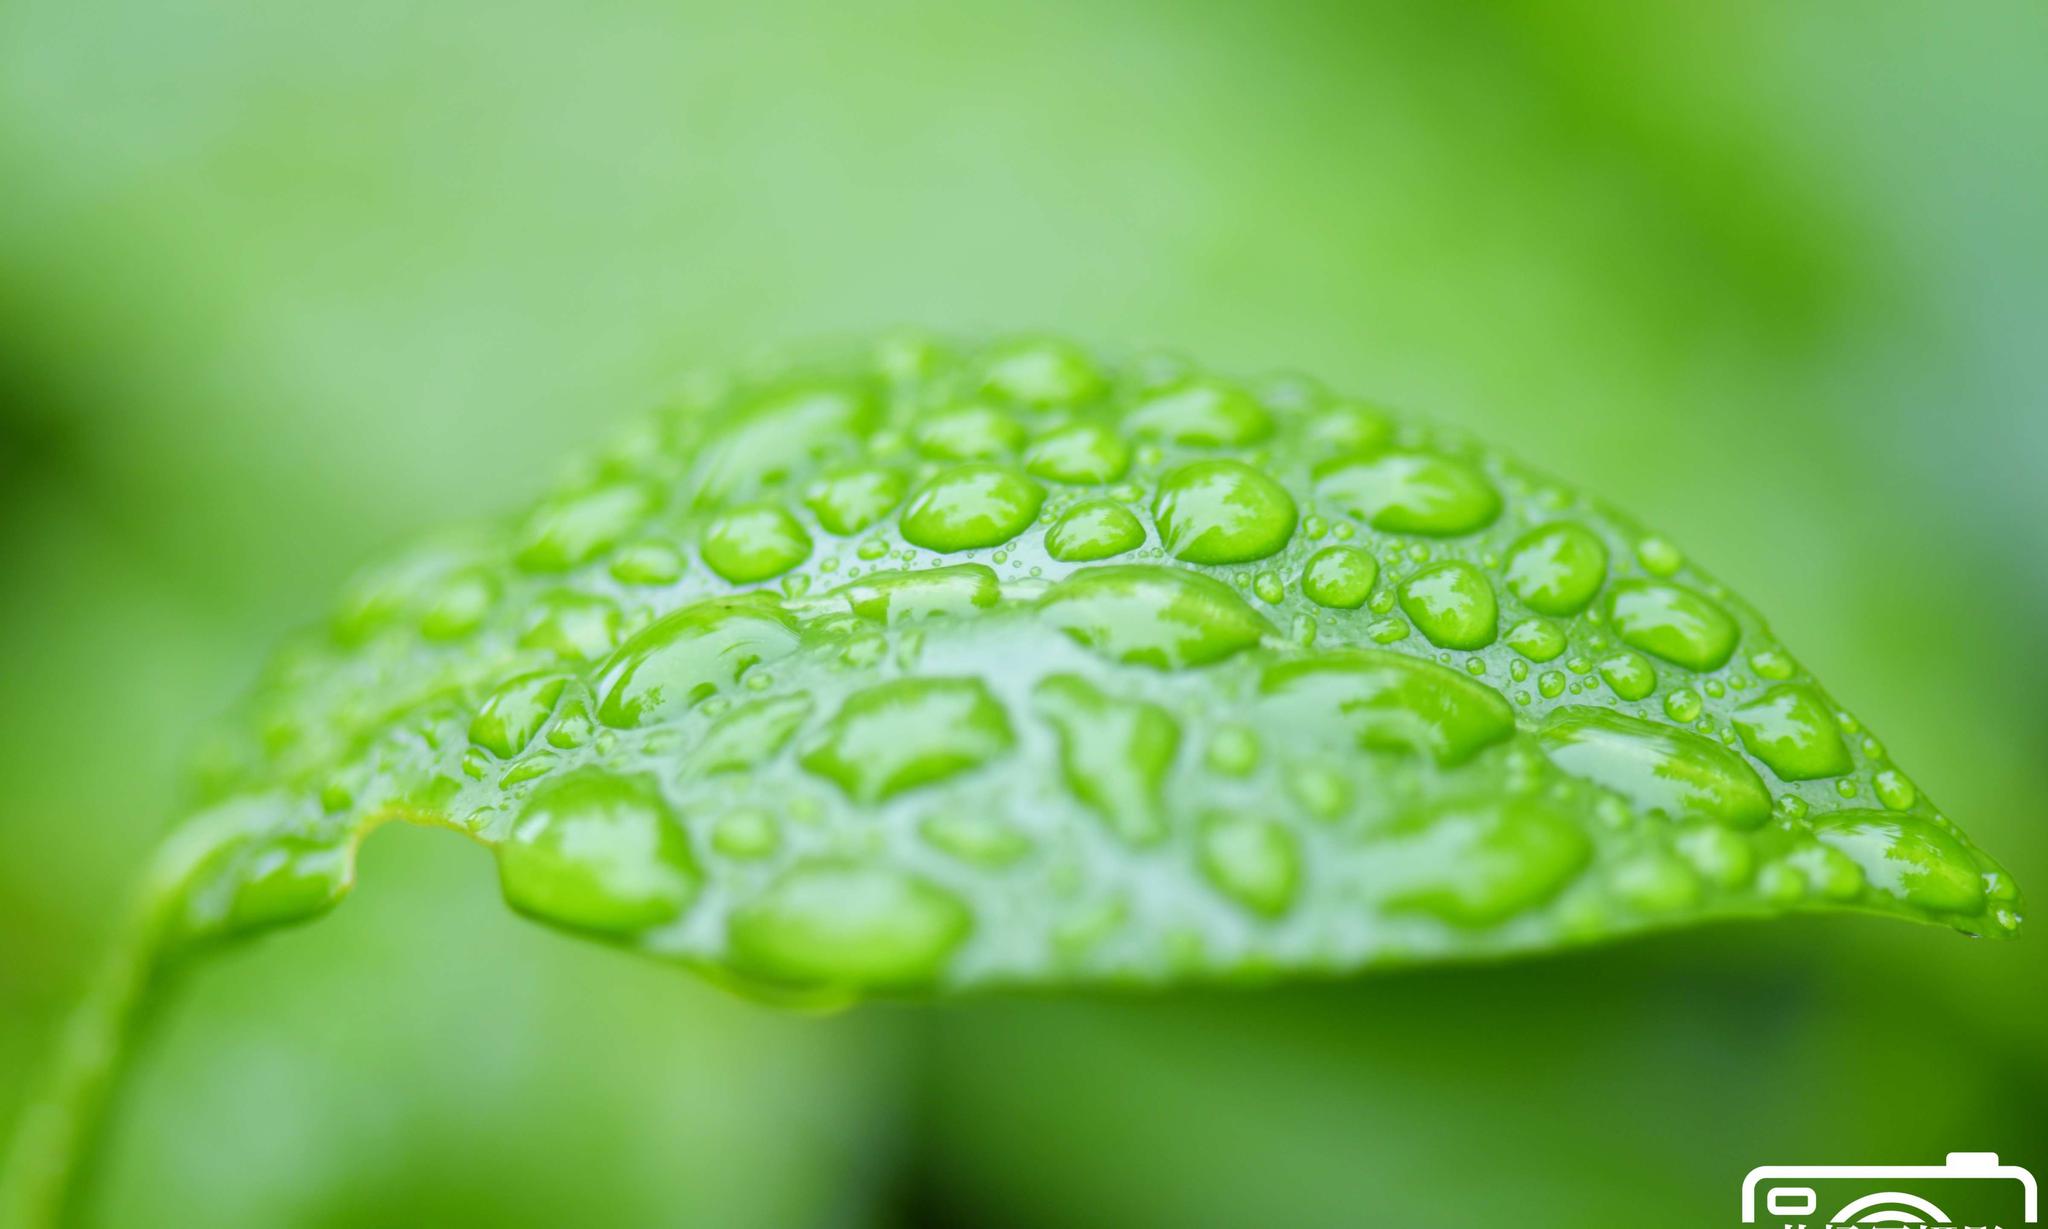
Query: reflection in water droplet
x: 1677, y: 624
x: 1557, y: 569
x: 598, y: 852
x: 1255, y: 862
x: 682, y: 660
x: 1114, y: 754
x: 1215, y: 512
x: 971, y: 507
x: 908, y: 733
x: 755, y: 543
x: 1791, y: 730
x: 1391, y: 702
x: 1408, y: 492
x: 1657, y: 768
x: 1092, y: 531
x: 1453, y: 605
x: 1161, y: 617
x: 832, y: 924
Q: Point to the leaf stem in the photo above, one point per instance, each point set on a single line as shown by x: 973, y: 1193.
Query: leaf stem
x: 55, y: 1138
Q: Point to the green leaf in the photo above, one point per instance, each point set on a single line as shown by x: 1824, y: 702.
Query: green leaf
x: 925, y: 670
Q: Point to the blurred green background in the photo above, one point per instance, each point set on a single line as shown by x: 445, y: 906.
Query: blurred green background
x: 282, y: 284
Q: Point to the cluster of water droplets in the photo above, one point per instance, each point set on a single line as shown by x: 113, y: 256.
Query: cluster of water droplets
x: 930, y: 667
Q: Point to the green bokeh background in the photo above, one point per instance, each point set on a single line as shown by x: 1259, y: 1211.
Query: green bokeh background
x: 282, y: 284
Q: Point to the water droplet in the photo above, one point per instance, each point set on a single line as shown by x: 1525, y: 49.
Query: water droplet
x: 572, y: 626
x: 460, y: 605
x: 1550, y: 684
x: 908, y: 733
x: 847, y: 501
x: 755, y: 543
x: 1629, y: 674
x: 783, y: 429
x: 1721, y: 855
x: 598, y: 852
x: 570, y: 531
x: 1216, y: 512
x: 1789, y: 729
x: 1683, y: 706
x: 1659, y: 557
x: 255, y: 882
x: 1324, y: 794
x: 976, y: 433
x: 1654, y: 883
x: 1040, y: 374
x: 1340, y: 577
x: 833, y: 924
x: 1773, y: 664
x: 514, y: 713
x: 1657, y: 768
x: 750, y: 735
x: 1165, y: 618
x: 1895, y: 790
x: 1453, y: 605
x: 1910, y: 859
x: 748, y: 834
x: 1086, y: 454
x: 1539, y: 640
x: 1349, y: 428
x: 1091, y: 531
x: 647, y: 563
x: 1391, y: 702
x: 976, y: 839
x: 909, y: 597
x: 1409, y: 492
x: 688, y: 656
x: 1202, y: 413
x: 1114, y: 754
x: 1478, y: 864
x: 1677, y: 624
x: 1255, y: 862
x: 971, y: 507
x: 1233, y: 751
x: 1557, y: 569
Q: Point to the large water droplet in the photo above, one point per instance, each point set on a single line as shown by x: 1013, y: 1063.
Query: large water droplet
x: 1153, y: 616
x: 1673, y: 622
x: 828, y: 924
x: 1255, y: 862
x: 750, y: 735
x: 1656, y: 767
x: 1114, y: 754
x: 1453, y: 605
x: 972, y: 507
x: 1792, y: 731
x: 760, y: 444
x: 906, y: 597
x: 1557, y: 569
x: 1477, y: 864
x: 1410, y: 492
x: 514, y: 713
x: 908, y: 733
x: 1040, y: 373
x: 976, y: 433
x: 1908, y: 858
x: 571, y: 530
x: 598, y: 852
x: 1223, y: 512
x: 1098, y: 530
x: 459, y: 605
x: 846, y: 501
x: 573, y: 626
x: 689, y: 656
x: 755, y: 543
x: 1082, y: 455
x: 1202, y: 413
x: 1391, y: 702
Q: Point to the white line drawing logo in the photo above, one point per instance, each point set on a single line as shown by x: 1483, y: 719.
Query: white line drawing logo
x: 1898, y: 1195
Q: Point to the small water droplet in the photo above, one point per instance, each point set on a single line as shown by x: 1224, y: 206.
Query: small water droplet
x: 600, y: 852
x: 1791, y: 731
x: 1557, y: 569
x: 1340, y: 577
x: 1091, y: 531
x: 1256, y: 863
